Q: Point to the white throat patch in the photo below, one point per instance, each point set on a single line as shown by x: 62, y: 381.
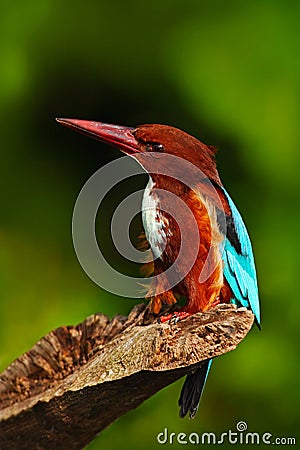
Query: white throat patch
x: 156, y: 225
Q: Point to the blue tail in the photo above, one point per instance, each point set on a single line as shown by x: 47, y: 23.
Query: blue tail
x: 192, y: 390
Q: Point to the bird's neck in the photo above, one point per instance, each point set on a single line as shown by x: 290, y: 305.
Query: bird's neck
x: 165, y: 183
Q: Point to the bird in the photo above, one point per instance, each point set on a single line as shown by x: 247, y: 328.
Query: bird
x: 224, y: 245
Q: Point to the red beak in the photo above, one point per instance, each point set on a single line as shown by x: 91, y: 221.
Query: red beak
x: 116, y: 135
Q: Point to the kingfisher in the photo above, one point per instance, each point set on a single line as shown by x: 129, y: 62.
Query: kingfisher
x: 224, y: 252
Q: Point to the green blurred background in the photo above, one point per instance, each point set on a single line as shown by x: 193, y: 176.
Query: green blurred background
x: 227, y: 72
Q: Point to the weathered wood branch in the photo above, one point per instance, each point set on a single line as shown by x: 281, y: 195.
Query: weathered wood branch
x: 75, y: 381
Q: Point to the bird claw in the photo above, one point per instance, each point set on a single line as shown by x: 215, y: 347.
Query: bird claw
x: 174, y: 320
x: 216, y: 302
x: 174, y: 317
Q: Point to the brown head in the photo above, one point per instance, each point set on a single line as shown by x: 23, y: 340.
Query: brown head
x: 151, y: 139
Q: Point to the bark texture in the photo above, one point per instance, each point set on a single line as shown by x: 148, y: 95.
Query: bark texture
x: 76, y: 381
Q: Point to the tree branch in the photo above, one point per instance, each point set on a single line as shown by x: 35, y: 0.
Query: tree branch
x: 75, y: 381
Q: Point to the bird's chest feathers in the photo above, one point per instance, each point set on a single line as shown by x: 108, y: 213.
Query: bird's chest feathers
x: 159, y: 228
x: 156, y: 224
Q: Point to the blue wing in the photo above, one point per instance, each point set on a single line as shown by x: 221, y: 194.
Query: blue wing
x: 239, y: 271
x: 239, y: 267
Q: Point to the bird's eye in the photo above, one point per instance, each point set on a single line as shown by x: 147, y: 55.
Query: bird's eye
x: 158, y: 148
x: 154, y: 147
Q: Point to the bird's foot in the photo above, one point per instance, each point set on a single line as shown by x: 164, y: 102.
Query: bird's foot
x: 174, y: 317
x: 216, y: 302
